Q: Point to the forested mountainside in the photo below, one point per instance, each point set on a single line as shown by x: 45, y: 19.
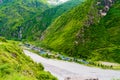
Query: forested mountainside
x: 20, y: 19
x: 34, y: 27
x: 77, y: 28
x: 111, y: 23
x: 13, y: 13
x: 88, y: 30
x: 14, y: 65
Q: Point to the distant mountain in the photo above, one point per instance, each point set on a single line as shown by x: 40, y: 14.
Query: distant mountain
x: 33, y: 28
x: 20, y: 19
x: 56, y: 2
x: 84, y: 32
x: 1, y: 1
x: 4, y: 2
x: 13, y: 13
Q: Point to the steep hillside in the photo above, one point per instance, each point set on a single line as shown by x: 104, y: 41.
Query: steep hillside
x: 83, y: 33
x: 111, y: 22
x: 13, y: 13
x: 34, y: 27
x: 68, y: 30
x: 14, y: 65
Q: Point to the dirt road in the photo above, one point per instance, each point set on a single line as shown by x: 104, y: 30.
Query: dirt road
x: 63, y: 69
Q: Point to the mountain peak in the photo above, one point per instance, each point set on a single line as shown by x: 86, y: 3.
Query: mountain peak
x: 0, y: 1
x: 56, y: 2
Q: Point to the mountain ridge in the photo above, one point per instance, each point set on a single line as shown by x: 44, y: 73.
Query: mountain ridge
x: 23, y: 11
x: 81, y: 33
x: 45, y: 19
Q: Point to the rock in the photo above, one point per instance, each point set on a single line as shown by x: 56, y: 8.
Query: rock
x: 106, y: 6
x: 81, y: 78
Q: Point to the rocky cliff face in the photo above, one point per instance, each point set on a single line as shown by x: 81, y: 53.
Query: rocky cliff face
x: 104, y: 6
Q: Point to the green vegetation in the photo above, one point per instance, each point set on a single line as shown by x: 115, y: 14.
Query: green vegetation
x: 82, y: 33
x: 2, y: 39
x: 21, y: 19
x: 14, y: 65
x: 74, y: 28
x: 14, y: 13
x: 38, y: 24
x: 67, y: 31
x: 111, y: 22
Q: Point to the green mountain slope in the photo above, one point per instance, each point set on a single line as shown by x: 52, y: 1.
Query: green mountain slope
x: 82, y: 33
x: 111, y: 22
x: 34, y: 27
x: 13, y: 13
x: 66, y: 28
x: 14, y: 65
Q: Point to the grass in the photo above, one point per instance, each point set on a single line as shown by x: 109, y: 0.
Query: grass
x: 82, y: 33
x: 15, y: 65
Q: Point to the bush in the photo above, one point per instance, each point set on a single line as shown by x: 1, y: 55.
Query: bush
x: 2, y: 39
x: 45, y: 76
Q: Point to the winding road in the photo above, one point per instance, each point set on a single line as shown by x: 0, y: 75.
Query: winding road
x: 63, y: 69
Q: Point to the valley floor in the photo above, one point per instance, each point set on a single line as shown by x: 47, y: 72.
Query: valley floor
x: 63, y: 69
